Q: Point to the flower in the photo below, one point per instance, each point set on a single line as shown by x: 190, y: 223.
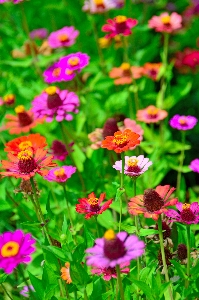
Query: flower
x: 188, y: 213
x: 194, y: 165
x: 166, y: 23
x: 134, y: 165
x: 125, y: 73
x: 22, y: 122
x: 98, y: 6
x: 109, y: 272
x: 133, y: 126
x: 114, y: 249
x: 151, y: 114
x: 151, y: 70
x: 9, y: 99
x: 25, y: 291
x: 60, y: 174
x: 121, y: 141
x: 183, y: 122
x: 119, y: 25
x: 66, y: 273
x: 55, y: 103
x: 74, y: 61
x: 15, y: 248
x: 182, y: 251
x: 187, y: 60
x: 91, y: 206
x: 59, y: 151
x: 40, y: 33
x: 153, y: 202
x: 53, y: 73
x: 64, y: 37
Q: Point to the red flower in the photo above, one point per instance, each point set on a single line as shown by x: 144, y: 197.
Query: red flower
x: 119, y: 25
x: 91, y: 205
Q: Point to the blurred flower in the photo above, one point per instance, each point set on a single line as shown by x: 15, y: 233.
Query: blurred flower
x: 96, y: 138
x: 183, y: 122
x: 66, y: 273
x: 182, y: 251
x: 134, y: 165
x: 168, y: 256
x: 194, y: 165
x: 151, y: 70
x: 114, y: 249
x: 55, y: 103
x: 60, y: 174
x: 14, y: 1
x: 133, y: 126
x: 110, y: 127
x: 166, y: 23
x: 151, y: 114
x: 153, y: 202
x: 53, y: 73
x: 91, y: 206
x: 64, y: 37
x: 25, y: 292
x: 59, y: 151
x: 191, y: 11
x: 75, y: 61
x: 15, y: 248
x: 106, y: 42
x: 119, y: 25
x: 187, y: 60
x: 30, y: 46
x: 40, y: 33
x: 125, y: 73
x: 98, y: 6
x: 9, y: 99
x: 188, y: 213
x: 109, y: 272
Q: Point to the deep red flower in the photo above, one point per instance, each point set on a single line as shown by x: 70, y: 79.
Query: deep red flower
x: 119, y: 25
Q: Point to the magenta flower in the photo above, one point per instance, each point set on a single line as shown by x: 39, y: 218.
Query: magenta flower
x: 25, y: 292
x: 183, y: 122
x: 60, y: 174
x: 59, y: 150
x: 55, y: 103
x: 166, y: 23
x: 194, y: 165
x: 109, y: 272
x: 114, y: 249
x: 74, y: 61
x: 134, y: 165
x: 188, y: 213
x: 119, y: 25
x: 53, y: 73
x: 40, y: 33
x: 64, y: 37
x: 15, y: 248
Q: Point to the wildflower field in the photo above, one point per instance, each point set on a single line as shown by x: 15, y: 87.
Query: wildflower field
x: 99, y: 138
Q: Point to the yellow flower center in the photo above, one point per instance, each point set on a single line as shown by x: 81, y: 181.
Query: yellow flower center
x: 51, y: 90
x: 132, y: 162
x: 19, y: 109
x: 98, y: 2
x: 120, y: 138
x: 125, y: 66
x: 73, y: 61
x: 120, y: 19
x: 183, y: 121
x: 109, y: 234
x: 25, y: 145
x: 56, y: 72
x: 10, y: 249
x: 152, y: 111
x: 59, y: 172
x: 93, y: 201
x: 63, y: 37
x: 68, y: 72
x: 9, y: 98
x: 166, y: 19
x: 25, y: 155
x: 186, y: 206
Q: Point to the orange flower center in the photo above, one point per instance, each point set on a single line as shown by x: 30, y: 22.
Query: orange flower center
x: 9, y: 98
x: 93, y: 201
x: 69, y: 72
x: 25, y: 145
x: 63, y: 37
x: 120, y: 139
x: 152, y: 111
x: 53, y: 100
x: 125, y: 66
x: 109, y: 235
x: 183, y: 121
x: 186, y: 206
x: 132, y: 162
x: 98, y: 2
x: 23, y: 117
x: 25, y: 155
x: 60, y: 173
x: 51, y: 90
x: 120, y: 19
x: 10, y: 249
x: 166, y: 19
x: 74, y: 61
x: 56, y: 72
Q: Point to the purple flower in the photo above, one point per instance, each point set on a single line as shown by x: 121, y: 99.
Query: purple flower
x: 74, y: 61
x: 183, y: 122
x: 53, y: 73
x: 64, y: 37
x: 188, y: 213
x: 59, y: 150
x: 194, y: 165
x: 60, y: 174
x: 15, y: 248
x: 40, y: 33
x: 114, y: 249
x: 55, y: 103
x: 134, y: 165
x: 25, y: 291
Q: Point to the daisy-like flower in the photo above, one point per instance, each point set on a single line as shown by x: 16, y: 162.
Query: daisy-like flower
x: 187, y: 213
x: 125, y: 73
x: 165, y: 22
x: 121, y: 141
x: 133, y: 126
x: 194, y: 165
x: 114, y: 249
x: 183, y: 122
x: 66, y: 273
x: 25, y: 292
x: 60, y: 174
x: 119, y: 25
x: 151, y: 70
x: 64, y: 37
x: 59, y: 151
x: 9, y: 99
x: 91, y: 206
x: 134, y: 165
x: 74, y: 61
x: 153, y: 203
x: 15, y: 248
x: 53, y: 73
x: 55, y: 103
x: 151, y: 114
x: 109, y: 272
x: 40, y: 33
x: 98, y: 6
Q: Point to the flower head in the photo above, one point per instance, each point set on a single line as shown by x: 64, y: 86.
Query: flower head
x: 194, y: 165
x: 66, y: 273
x: 114, y: 249
x: 15, y: 248
x: 74, y: 61
x: 182, y: 252
x: 64, y: 37
x: 40, y: 33
x: 183, y: 122
x: 153, y: 202
x: 151, y: 70
x: 53, y: 73
x: 187, y: 213
x: 109, y: 272
x: 151, y: 114
x: 60, y: 174
x: 98, y: 6
x: 119, y: 25
x: 9, y: 99
x: 165, y: 22
x: 25, y: 292
x: 125, y: 73
x: 133, y: 126
x: 59, y: 151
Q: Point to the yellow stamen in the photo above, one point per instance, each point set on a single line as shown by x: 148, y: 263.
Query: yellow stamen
x: 186, y: 206
x: 93, y: 201
x: 63, y: 37
x: 25, y: 155
x: 120, y: 138
x: 132, y: 162
x: 51, y: 90
x: 109, y: 234
x: 19, y: 109
x: 56, y: 72
x: 59, y: 172
x: 98, y: 2
x: 73, y: 61
x: 125, y: 66
x: 9, y: 98
x: 152, y: 111
x: 166, y: 19
x: 183, y: 121
x: 25, y: 145
x: 10, y: 249
x: 120, y: 19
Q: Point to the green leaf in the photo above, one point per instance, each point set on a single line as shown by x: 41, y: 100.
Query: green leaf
x: 145, y: 288
x: 38, y: 286
x: 57, y: 252
x: 88, y: 237
x: 50, y: 214
x: 3, y: 277
x: 78, y: 275
x: 106, y: 219
x: 144, y: 232
x: 179, y: 268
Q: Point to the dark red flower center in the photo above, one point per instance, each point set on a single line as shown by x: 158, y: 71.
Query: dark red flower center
x: 168, y: 256
x: 152, y: 200
x: 152, y: 112
x: 26, y: 162
x: 53, y: 98
x: 110, y: 127
x: 23, y: 116
x: 166, y: 229
x: 120, y: 24
x: 186, y: 214
x: 182, y: 251
x: 94, y: 206
x: 113, y: 247
x: 59, y: 148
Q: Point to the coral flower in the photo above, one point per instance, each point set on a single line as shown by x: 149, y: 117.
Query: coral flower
x: 40, y: 33
x: 151, y: 70
x: 119, y: 25
x: 91, y: 206
x: 22, y: 122
x: 109, y: 272
x: 15, y: 248
x: 66, y: 273
x: 64, y: 37
x: 60, y: 174
x: 55, y: 103
x: 166, y: 23
x: 153, y: 202
x: 98, y: 6
x: 75, y: 61
x: 151, y: 114
x: 121, y: 141
x: 188, y: 213
x: 114, y: 249
x: 183, y: 122
x: 125, y: 73
x: 134, y: 165
x: 194, y: 165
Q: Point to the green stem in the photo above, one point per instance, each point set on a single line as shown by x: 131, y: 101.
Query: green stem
x: 121, y: 188
x: 68, y: 207
x: 125, y: 47
x: 180, y: 165
x: 119, y: 282
x: 188, y: 256
x: 21, y: 272
x: 137, y: 233
x: 97, y: 227
x: 3, y: 287
x: 85, y: 294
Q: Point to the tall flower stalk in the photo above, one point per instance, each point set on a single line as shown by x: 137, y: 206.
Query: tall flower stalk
x: 119, y: 282
x: 179, y: 175
x: 188, y: 256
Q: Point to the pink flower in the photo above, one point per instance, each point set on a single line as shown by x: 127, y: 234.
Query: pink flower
x: 64, y: 37
x: 151, y: 114
x: 132, y: 125
x: 53, y: 73
x: 60, y: 174
x: 75, y: 61
x: 59, y: 151
x: 166, y: 23
x: 119, y: 25
x: 183, y: 122
x: 109, y: 272
x: 194, y: 165
x: 188, y: 213
x: 98, y: 6
x: 40, y: 33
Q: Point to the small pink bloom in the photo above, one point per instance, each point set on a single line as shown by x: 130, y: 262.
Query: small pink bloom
x: 60, y: 174
x: 40, y: 33
x: 119, y: 25
x: 183, y: 122
x: 151, y: 114
x: 74, y: 62
x: 98, y: 6
x: 109, y: 272
x: 59, y: 151
x: 187, y: 213
x: 194, y: 165
x: 166, y: 23
x: 53, y: 73
x: 64, y: 37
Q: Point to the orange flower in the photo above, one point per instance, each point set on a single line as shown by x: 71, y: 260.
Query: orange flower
x: 66, y: 273
x: 121, y: 141
x: 151, y: 70
x: 125, y: 73
x: 151, y: 114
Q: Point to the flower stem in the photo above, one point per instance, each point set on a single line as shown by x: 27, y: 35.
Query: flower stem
x: 3, y: 287
x: 85, y: 294
x: 180, y: 165
x: 188, y: 256
x: 137, y: 233
x: 121, y: 188
x: 97, y: 227
x: 21, y: 272
x: 68, y: 207
x: 119, y: 282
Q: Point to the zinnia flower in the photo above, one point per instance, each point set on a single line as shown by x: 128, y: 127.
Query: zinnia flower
x: 64, y: 37
x: 53, y: 73
x: 114, y: 249
x: 151, y: 114
x: 133, y: 126
x: 153, y: 202
x: 60, y: 174
x: 74, y: 61
x: 125, y: 73
x: 15, y: 248
x: 134, y: 165
x: 194, y: 165
x: 9, y: 99
x: 91, y: 206
x: 188, y: 213
x: 183, y: 122
x: 66, y: 273
x: 119, y: 25
x: 166, y: 23
x: 25, y: 292
x: 98, y: 6
x: 59, y: 151
x: 109, y: 272
x: 55, y: 103
x: 151, y: 70
x: 40, y: 33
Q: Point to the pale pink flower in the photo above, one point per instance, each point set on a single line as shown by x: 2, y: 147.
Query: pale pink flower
x: 165, y: 22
